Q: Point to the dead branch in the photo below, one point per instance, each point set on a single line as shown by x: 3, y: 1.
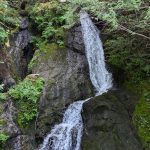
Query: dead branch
x: 132, y: 32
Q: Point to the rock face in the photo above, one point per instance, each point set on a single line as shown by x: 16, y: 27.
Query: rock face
x: 17, y: 140
x: 21, y: 142
x: 75, y: 40
x: 7, y: 116
x: 67, y: 80
x: 7, y: 70
x: 21, y: 48
x: 107, y: 125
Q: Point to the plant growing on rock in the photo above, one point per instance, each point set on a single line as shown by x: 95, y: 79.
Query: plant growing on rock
x: 141, y: 117
x: 3, y: 138
x: 8, y: 20
x: 26, y: 95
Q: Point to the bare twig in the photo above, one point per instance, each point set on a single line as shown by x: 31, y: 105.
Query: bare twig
x: 2, y: 24
x: 132, y: 32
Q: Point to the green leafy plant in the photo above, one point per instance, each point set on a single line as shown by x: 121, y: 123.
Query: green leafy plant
x: 8, y: 20
x: 48, y: 18
x: 26, y: 95
x: 3, y: 138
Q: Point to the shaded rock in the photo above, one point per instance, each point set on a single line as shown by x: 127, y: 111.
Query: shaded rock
x: 75, y: 40
x: 107, y: 125
x: 24, y: 23
x: 66, y: 81
x: 8, y: 82
x: 22, y: 142
x: 7, y: 70
x: 8, y: 116
x: 21, y: 48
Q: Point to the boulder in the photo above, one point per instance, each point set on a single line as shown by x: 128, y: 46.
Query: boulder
x: 107, y: 125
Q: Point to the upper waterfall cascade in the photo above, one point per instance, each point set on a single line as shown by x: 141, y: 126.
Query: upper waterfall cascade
x: 100, y: 77
x: 67, y: 135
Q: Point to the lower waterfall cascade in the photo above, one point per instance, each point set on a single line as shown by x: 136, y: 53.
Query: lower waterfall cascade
x: 67, y: 135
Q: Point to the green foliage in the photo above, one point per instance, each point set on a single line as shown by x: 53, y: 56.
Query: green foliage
x: 141, y: 117
x: 26, y: 95
x: 3, y: 138
x: 48, y: 19
x: 129, y: 53
x: 109, y: 11
x: 8, y: 20
x: 3, y: 96
x: 3, y: 35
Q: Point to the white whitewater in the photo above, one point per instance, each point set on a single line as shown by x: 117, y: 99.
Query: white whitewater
x: 100, y: 77
x: 68, y: 134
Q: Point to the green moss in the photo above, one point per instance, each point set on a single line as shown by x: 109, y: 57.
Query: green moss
x: 141, y: 116
x: 3, y: 96
x: 47, y: 51
x: 26, y: 95
x: 2, y: 122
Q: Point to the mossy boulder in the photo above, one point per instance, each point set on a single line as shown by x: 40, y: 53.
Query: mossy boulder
x: 141, y: 115
x: 107, y: 125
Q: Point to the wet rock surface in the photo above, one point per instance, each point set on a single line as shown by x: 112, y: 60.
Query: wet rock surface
x: 75, y: 40
x: 21, y: 48
x: 21, y: 142
x: 107, y: 125
x: 7, y: 70
x: 67, y: 80
x: 7, y: 116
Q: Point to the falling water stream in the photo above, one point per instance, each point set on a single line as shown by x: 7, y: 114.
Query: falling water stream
x: 67, y: 135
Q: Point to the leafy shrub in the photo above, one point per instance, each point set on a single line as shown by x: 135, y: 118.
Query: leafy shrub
x: 129, y: 53
x: 8, y: 20
x: 3, y: 139
x: 3, y: 96
x: 48, y: 19
x: 26, y: 95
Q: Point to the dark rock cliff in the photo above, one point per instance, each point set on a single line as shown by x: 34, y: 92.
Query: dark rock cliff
x: 107, y: 123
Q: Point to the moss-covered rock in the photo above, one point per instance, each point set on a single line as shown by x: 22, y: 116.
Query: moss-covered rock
x: 141, y: 118
x: 107, y: 125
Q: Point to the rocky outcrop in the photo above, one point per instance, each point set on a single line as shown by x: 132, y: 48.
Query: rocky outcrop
x: 67, y: 80
x: 75, y: 40
x: 7, y: 70
x: 17, y: 139
x: 21, y: 48
x: 7, y: 117
x: 107, y: 125
x: 21, y: 142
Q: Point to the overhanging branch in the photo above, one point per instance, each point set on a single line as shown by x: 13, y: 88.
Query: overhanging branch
x: 132, y: 32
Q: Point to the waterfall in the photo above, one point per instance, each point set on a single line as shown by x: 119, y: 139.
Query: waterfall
x: 100, y: 77
x: 67, y: 135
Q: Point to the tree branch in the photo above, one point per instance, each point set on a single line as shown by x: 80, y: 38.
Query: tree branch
x: 2, y: 24
x: 132, y: 32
